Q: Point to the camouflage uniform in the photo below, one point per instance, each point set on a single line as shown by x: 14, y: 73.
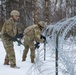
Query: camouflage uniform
x: 31, y: 34
x: 10, y: 28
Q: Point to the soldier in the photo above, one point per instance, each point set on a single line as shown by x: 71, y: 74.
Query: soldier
x: 10, y: 28
x: 31, y: 34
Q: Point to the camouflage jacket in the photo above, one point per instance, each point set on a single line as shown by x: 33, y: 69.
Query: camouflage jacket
x: 9, y: 27
x: 33, y: 32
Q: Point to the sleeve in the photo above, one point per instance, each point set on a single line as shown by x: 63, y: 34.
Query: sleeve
x: 3, y: 29
x: 37, y: 35
x: 9, y: 29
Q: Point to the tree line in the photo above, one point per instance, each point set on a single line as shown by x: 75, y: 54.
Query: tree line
x: 32, y: 11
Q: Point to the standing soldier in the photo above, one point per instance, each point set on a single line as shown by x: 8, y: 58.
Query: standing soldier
x: 31, y: 34
x: 10, y: 28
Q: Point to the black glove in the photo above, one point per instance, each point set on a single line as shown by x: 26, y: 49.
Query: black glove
x: 43, y: 37
x: 19, y: 36
x: 37, y: 45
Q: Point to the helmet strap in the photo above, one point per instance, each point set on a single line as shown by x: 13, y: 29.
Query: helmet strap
x: 40, y: 27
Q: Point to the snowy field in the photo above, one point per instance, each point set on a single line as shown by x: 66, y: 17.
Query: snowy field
x: 58, y: 36
x: 24, y: 66
x: 6, y: 70
x: 40, y: 67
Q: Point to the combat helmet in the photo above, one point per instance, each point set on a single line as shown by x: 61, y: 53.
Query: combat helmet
x: 41, y: 24
x: 14, y: 12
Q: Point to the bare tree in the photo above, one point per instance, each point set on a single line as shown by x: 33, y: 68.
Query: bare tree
x: 2, y: 13
x: 35, y: 11
x: 46, y: 12
x: 74, y: 7
x: 68, y: 8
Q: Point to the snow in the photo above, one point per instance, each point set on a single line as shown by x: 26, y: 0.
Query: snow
x: 66, y: 49
x: 41, y: 67
x: 24, y: 66
x: 28, y: 68
x: 60, y: 38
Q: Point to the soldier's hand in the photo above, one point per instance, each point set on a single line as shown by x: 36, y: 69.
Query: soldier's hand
x: 20, y: 35
x: 37, y: 45
x: 43, y: 37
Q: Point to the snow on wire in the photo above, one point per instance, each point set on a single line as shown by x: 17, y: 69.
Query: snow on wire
x: 66, y: 31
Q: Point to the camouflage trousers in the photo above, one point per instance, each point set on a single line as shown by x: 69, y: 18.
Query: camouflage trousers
x: 29, y: 44
x: 10, y: 54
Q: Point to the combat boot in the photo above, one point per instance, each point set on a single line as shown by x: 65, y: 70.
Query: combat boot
x: 14, y: 66
x: 32, y: 61
x: 24, y: 59
x: 6, y: 62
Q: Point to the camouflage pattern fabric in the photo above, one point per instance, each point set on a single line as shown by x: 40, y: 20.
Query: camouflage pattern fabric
x: 9, y: 27
x: 31, y: 34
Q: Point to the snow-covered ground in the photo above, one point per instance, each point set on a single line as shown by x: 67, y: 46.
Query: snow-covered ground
x: 24, y: 66
x: 40, y: 67
x: 66, y: 53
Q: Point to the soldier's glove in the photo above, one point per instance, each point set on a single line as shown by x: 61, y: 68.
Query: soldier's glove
x: 43, y: 37
x: 19, y: 36
x: 37, y: 45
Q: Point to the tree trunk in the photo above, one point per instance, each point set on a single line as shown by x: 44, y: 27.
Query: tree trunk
x: 2, y: 13
x: 47, y: 10
x: 68, y: 8
x: 35, y: 12
x: 22, y: 10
